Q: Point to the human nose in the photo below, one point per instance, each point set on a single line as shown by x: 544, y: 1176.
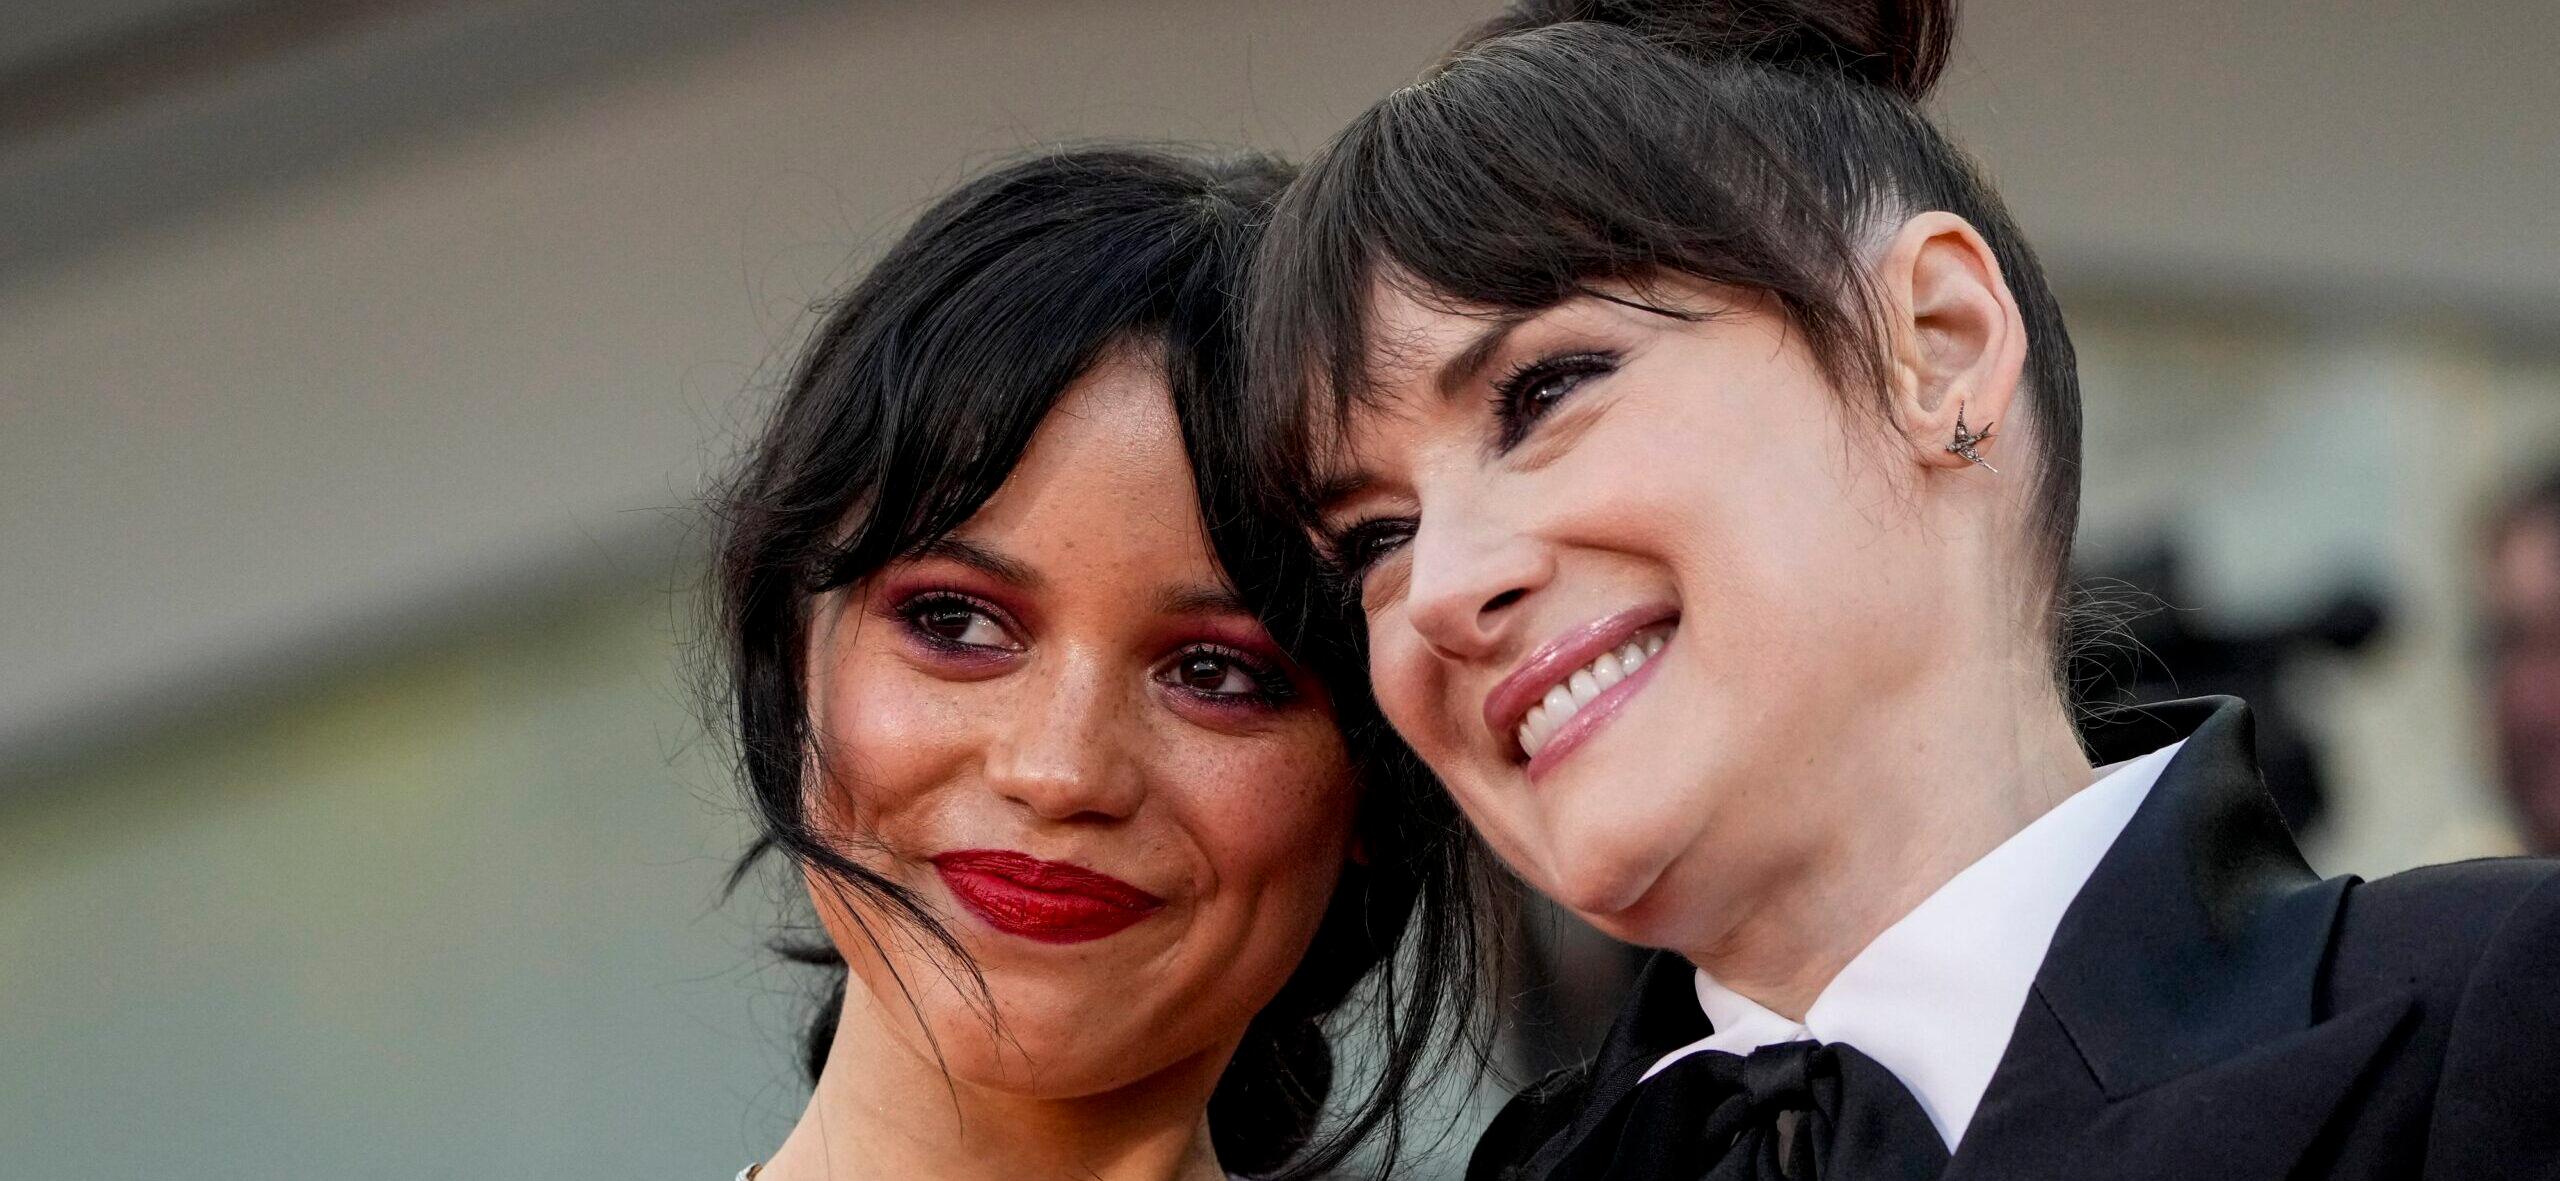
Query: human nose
x: 1060, y: 755
x: 1470, y: 575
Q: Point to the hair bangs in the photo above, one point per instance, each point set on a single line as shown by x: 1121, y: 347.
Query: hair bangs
x: 1543, y: 159
x: 916, y: 397
x: 1522, y: 174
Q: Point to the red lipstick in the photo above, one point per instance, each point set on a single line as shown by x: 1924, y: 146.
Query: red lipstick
x: 1044, y: 901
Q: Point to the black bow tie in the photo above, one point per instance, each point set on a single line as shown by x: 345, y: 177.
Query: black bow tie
x: 1790, y: 1112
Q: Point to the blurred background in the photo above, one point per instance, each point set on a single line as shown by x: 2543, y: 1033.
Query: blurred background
x: 361, y: 364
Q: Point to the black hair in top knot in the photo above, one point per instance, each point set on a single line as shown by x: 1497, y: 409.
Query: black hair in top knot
x: 1898, y: 45
x: 1744, y: 145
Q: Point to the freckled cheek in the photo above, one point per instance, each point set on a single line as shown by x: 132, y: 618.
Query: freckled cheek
x: 891, y: 748
x: 1273, y: 824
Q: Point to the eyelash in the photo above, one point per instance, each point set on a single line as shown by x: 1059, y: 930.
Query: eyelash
x: 1271, y: 687
x: 1362, y: 544
x: 912, y: 613
x: 1517, y: 405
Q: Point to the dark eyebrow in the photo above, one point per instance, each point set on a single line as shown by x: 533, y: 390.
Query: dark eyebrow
x: 1463, y: 366
x: 1202, y: 600
x: 1330, y: 491
x: 982, y: 559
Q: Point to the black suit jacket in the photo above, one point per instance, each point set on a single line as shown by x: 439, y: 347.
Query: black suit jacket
x: 2211, y: 1008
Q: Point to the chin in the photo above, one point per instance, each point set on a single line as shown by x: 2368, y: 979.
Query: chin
x: 1050, y: 1051
x: 1617, y: 834
x: 1610, y: 871
x: 1652, y: 920
x: 1059, y: 1030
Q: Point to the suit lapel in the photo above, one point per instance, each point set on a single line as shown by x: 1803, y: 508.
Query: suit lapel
x: 2251, y: 1117
x: 1663, y: 1017
x: 2173, y: 1029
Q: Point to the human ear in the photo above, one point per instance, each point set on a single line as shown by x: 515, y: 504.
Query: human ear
x: 1958, y: 345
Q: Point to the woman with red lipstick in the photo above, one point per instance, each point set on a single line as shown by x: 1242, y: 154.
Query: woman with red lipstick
x: 1702, y: 439
x: 1071, y: 758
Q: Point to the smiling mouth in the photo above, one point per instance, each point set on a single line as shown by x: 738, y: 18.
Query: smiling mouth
x: 1044, y: 901
x: 1593, y: 684
x: 1569, y: 687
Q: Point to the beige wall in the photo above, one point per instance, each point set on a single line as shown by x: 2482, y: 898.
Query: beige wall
x: 453, y: 916
x: 516, y: 348
x: 505, y: 348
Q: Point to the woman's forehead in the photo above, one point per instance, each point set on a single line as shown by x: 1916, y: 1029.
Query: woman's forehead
x: 1411, y: 332
x: 1408, y: 328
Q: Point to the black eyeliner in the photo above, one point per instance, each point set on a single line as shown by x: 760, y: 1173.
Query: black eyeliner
x: 1271, y: 687
x: 911, y: 610
x: 1354, y: 549
x: 1513, y: 411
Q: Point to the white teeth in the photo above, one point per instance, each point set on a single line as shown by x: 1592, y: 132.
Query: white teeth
x: 1569, y: 696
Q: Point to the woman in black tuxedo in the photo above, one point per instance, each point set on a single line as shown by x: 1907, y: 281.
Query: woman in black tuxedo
x: 1701, y: 439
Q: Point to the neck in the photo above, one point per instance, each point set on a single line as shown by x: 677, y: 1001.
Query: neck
x: 1926, y: 790
x: 884, y: 1108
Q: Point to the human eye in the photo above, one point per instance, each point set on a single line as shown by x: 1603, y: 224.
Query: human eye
x: 1225, y: 676
x: 1357, y: 548
x: 1525, y: 394
x: 957, y: 622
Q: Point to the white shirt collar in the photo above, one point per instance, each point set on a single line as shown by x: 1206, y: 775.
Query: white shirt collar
x: 1934, y: 998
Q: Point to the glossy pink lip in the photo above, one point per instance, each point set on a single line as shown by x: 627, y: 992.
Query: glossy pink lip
x: 1555, y: 660
x: 1046, y: 901
x: 1588, y: 720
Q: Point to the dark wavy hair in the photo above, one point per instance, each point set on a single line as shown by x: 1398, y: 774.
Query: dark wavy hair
x: 913, y: 401
x: 1749, y: 144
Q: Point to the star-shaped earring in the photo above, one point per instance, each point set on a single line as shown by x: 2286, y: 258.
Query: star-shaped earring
x: 1967, y: 439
